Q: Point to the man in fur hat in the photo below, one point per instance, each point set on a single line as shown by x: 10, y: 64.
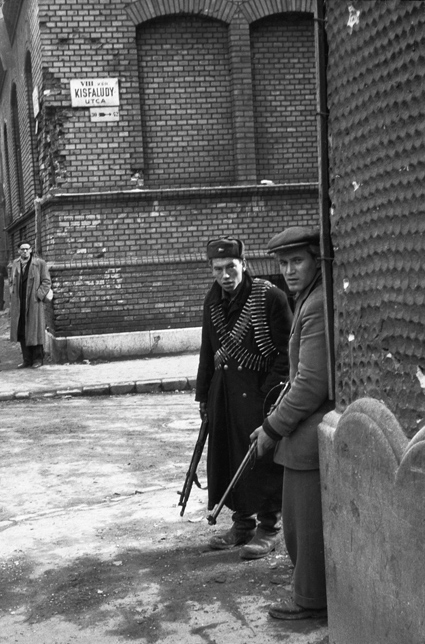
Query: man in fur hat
x: 243, y: 357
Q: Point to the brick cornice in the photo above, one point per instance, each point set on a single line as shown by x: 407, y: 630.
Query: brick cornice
x: 181, y: 193
x: 148, y: 260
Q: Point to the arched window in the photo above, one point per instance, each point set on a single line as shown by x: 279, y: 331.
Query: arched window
x: 31, y: 124
x: 18, y: 193
x: 284, y: 90
x: 6, y: 165
x: 186, y: 101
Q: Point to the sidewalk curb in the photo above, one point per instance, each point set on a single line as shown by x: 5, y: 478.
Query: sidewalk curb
x: 160, y: 385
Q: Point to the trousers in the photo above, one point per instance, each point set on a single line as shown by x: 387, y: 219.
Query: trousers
x: 268, y: 520
x: 31, y: 354
x: 303, y: 534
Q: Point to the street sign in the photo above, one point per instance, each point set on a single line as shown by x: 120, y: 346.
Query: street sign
x: 35, y: 101
x: 94, y: 92
x: 104, y: 114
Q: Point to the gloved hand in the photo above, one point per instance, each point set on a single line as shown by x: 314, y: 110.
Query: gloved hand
x: 202, y: 410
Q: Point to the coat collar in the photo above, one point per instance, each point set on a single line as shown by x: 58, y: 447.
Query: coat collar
x: 317, y: 280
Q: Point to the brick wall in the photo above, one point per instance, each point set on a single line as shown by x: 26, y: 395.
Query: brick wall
x: 88, y: 40
x: 284, y: 85
x: 145, y: 256
x: 190, y: 78
x: 182, y: 164
x: 185, y: 81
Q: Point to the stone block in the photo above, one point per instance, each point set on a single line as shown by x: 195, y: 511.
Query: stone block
x: 96, y: 390
x: 69, y: 392
x: 122, y: 388
x: 21, y: 395
x: 373, y: 491
x: 174, y: 384
x: 148, y: 386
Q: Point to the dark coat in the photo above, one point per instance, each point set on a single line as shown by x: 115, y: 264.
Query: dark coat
x: 235, y: 397
x: 38, y: 286
x: 297, y: 416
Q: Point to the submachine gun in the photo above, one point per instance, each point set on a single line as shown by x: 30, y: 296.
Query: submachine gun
x: 192, y: 476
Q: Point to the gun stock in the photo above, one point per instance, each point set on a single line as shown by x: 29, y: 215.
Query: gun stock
x: 191, y: 476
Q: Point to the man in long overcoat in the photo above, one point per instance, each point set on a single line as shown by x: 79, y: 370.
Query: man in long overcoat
x: 243, y: 357
x: 292, y: 426
x: 30, y: 283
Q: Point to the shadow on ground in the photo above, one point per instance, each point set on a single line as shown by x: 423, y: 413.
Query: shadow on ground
x: 142, y: 593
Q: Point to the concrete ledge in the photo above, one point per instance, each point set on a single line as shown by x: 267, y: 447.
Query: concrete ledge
x: 118, y: 346
x: 373, y: 491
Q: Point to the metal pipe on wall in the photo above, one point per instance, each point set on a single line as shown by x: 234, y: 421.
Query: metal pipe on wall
x: 324, y: 201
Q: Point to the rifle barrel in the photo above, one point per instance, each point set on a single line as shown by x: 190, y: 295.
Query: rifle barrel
x: 212, y: 518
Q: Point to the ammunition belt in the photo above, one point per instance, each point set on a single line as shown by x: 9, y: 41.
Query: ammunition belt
x: 253, y: 314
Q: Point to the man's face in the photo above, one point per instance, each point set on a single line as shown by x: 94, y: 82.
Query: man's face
x: 25, y: 251
x: 228, y: 272
x: 298, y: 267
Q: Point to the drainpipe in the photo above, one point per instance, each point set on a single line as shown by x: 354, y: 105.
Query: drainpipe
x: 37, y: 218
x: 324, y: 201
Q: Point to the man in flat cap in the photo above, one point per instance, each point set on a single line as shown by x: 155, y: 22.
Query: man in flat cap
x: 291, y: 428
x: 246, y: 324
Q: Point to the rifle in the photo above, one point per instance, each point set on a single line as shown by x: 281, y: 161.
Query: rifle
x: 249, y: 459
x: 191, y: 476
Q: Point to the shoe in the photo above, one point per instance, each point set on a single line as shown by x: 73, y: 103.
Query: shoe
x: 233, y: 537
x: 288, y: 609
x: 37, y: 365
x: 24, y: 365
x: 262, y: 544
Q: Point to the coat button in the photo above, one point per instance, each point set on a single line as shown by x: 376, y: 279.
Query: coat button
x: 226, y: 366
x: 244, y: 395
x: 240, y: 368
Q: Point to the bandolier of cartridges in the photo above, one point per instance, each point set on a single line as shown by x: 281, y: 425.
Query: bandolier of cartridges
x: 252, y: 314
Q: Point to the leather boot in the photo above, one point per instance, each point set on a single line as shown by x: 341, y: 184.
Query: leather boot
x: 260, y: 545
x: 233, y: 537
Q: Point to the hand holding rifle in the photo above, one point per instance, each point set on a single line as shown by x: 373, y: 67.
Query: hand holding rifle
x: 260, y: 444
x: 264, y: 442
x: 248, y: 461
